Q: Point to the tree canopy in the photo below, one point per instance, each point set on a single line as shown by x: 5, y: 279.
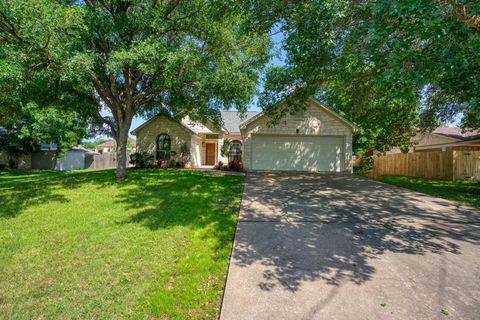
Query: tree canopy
x: 389, y: 66
x: 135, y: 57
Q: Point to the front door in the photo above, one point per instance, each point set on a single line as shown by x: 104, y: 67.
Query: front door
x: 210, y: 154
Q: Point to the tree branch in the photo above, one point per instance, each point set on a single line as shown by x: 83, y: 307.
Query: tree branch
x: 173, y: 5
x: 107, y: 121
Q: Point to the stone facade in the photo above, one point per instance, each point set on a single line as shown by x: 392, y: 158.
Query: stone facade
x: 314, y: 121
x: 3, y: 158
x: 147, y: 135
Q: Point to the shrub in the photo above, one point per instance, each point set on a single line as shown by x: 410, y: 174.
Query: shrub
x: 235, y: 165
x: 225, y: 150
x: 366, y: 165
x: 141, y: 159
x: 184, y: 153
x: 219, y: 165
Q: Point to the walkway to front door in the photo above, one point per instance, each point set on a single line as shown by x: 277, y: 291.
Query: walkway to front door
x: 338, y: 246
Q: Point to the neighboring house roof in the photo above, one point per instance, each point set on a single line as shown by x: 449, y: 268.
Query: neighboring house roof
x: 317, y: 103
x: 80, y: 148
x: 233, y: 119
x: 457, y: 133
x: 112, y: 143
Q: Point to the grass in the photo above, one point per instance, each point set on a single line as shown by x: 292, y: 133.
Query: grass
x: 80, y: 245
x: 464, y: 191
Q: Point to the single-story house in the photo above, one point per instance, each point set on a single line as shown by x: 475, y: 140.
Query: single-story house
x: 316, y: 139
x: 111, y: 146
x: 447, y: 138
x: 444, y: 139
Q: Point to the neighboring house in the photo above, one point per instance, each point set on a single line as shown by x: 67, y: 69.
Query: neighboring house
x: 447, y: 138
x: 316, y: 139
x: 443, y: 139
x: 111, y: 146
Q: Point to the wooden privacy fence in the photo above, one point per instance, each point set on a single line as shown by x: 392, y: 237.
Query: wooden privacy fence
x: 466, y: 165
x: 432, y: 164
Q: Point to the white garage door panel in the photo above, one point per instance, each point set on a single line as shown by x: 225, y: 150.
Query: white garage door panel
x: 297, y: 153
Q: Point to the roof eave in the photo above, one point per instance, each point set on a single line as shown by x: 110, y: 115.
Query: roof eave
x: 133, y: 132
x: 244, y: 124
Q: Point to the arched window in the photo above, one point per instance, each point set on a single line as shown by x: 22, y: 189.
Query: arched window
x: 236, y: 150
x: 163, y: 147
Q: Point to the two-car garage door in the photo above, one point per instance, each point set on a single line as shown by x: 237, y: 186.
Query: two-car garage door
x: 297, y: 153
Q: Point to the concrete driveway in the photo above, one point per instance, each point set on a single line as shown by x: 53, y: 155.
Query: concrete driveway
x: 311, y: 246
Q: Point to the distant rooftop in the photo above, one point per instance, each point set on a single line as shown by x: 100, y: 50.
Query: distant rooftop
x: 457, y: 133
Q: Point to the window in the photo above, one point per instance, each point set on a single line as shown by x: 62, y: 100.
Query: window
x: 236, y: 150
x: 163, y: 147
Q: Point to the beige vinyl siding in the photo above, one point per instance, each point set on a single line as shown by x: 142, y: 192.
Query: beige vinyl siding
x: 297, y: 153
x: 313, y: 122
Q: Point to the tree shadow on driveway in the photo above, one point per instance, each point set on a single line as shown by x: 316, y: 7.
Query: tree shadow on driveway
x: 308, y: 227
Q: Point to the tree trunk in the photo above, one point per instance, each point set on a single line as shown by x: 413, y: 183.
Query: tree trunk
x: 122, y: 140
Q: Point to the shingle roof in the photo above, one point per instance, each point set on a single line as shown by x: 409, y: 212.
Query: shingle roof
x: 232, y: 119
x: 456, y: 133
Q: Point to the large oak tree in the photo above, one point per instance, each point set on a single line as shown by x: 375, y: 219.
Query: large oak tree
x: 389, y: 66
x: 130, y: 57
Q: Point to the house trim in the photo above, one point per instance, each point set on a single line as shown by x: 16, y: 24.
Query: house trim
x: 134, y: 131
x: 317, y: 103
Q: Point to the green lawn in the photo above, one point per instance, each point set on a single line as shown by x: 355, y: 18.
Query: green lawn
x: 79, y: 245
x: 466, y: 192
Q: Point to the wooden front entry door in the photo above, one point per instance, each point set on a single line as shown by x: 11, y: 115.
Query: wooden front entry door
x: 210, y: 154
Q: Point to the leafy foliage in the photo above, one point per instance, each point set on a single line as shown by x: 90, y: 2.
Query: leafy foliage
x: 135, y: 57
x: 225, y: 149
x: 366, y: 165
x: 184, y: 153
x: 388, y: 66
x: 235, y: 165
x: 141, y: 159
x: 32, y: 125
x: 92, y: 144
